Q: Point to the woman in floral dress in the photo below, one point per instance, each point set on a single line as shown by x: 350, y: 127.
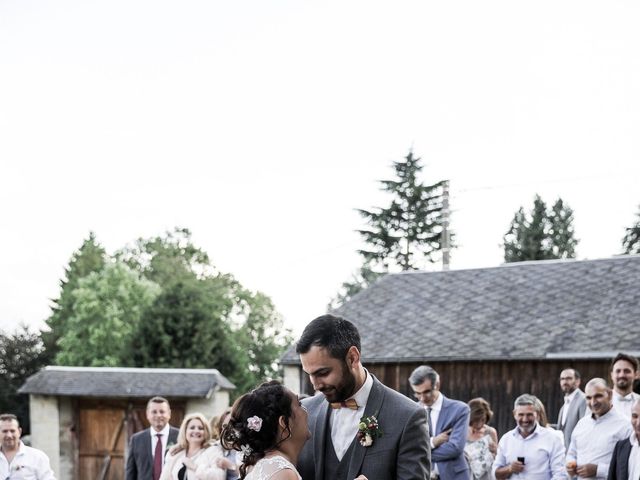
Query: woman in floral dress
x: 482, y: 440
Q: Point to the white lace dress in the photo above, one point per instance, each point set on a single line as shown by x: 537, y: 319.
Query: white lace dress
x: 265, y: 468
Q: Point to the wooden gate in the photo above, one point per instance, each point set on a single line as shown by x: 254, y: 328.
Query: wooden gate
x: 104, y: 428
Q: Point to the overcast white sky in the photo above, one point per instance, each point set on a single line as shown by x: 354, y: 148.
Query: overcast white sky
x: 261, y: 125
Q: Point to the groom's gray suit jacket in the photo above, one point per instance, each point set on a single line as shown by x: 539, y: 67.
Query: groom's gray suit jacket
x: 401, y: 453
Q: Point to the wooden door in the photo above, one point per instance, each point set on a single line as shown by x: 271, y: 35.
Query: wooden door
x: 101, y: 443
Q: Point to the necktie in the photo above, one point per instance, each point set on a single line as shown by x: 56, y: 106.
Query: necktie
x: 351, y: 403
x: 157, y: 458
x: 565, y: 411
x: 431, y: 431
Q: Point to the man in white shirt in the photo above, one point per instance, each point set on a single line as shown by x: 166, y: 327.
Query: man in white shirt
x: 625, y: 461
x: 574, y: 406
x: 529, y: 451
x: 595, y: 436
x: 16, y: 459
x: 624, y: 370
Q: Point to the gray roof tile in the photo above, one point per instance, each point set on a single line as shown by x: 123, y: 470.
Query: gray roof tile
x: 125, y: 382
x: 516, y: 310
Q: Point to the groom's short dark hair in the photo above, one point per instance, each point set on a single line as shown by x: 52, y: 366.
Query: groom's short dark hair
x: 336, y: 334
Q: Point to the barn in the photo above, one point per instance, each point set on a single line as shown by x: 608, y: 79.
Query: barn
x: 496, y: 332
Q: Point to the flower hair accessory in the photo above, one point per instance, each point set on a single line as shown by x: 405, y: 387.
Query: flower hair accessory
x: 368, y: 429
x: 254, y: 423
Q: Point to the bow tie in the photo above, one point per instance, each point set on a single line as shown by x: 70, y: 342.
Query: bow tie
x: 351, y: 403
x: 628, y: 398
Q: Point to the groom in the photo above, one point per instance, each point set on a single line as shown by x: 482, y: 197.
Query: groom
x: 329, y: 350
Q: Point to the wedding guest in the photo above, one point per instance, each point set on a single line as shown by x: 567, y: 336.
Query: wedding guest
x: 269, y: 426
x: 595, y: 436
x: 482, y: 440
x: 193, y: 457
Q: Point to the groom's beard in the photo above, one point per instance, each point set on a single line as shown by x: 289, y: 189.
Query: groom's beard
x: 344, y: 389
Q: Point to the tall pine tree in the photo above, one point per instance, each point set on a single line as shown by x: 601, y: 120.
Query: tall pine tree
x: 544, y: 234
x: 631, y: 240
x: 404, y: 235
x: 89, y: 258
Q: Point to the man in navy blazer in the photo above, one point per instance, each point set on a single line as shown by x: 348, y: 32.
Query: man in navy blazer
x: 448, y: 423
x: 619, y: 468
x: 144, y: 445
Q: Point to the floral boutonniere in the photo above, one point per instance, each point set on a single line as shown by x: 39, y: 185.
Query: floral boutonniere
x: 368, y: 429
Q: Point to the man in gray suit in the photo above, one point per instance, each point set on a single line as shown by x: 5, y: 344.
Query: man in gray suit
x: 574, y: 406
x: 358, y: 425
x: 147, y: 449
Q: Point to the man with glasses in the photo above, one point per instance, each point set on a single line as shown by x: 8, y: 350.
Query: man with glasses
x: 448, y: 425
x: 16, y: 459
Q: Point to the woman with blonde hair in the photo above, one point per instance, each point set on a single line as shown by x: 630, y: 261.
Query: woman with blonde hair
x: 193, y: 457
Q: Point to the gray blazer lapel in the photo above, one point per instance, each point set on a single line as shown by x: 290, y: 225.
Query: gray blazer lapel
x: 374, y: 404
x: 320, y: 434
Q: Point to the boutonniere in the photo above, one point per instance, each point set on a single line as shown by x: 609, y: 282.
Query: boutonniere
x: 368, y: 429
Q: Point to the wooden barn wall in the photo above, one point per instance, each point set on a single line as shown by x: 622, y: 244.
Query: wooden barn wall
x: 498, y: 382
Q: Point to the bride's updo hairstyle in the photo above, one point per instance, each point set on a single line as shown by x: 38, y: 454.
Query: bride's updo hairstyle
x: 253, y: 426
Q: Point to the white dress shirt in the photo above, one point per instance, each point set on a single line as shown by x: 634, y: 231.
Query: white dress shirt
x: 634, y: 458
x: 593, y: 440
x: 436, y: 408
x: 623, y: 403
x: 543, y: 452
x: 165, y: 439
x: 344, y: 421
x: 28, y: 464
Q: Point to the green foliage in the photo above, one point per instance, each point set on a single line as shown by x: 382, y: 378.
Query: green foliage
x: 163, y: 304
x: 21, y: 355
x: 408, y: 232
x: 106, y: 309
x: 544, y: 234
x: 89, y: 258
x: 405, y: 235
x: 631, y: 240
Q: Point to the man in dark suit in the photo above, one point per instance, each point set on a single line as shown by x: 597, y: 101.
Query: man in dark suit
x: 358, y: 426
x: 147, y: 449
x: 622, y: 467
x: 575, y: 404
x: 449, y: 423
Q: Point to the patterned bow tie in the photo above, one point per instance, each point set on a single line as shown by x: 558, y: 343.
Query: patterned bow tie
x: 351, y: 403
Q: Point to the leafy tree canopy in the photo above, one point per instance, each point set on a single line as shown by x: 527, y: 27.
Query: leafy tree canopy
x: 21, y: 355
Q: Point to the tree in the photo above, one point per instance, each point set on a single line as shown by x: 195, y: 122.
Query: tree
x: 409, y: 231
x: 631, y: 240
x: 89, y: 258
x: 542, y: 235
x: 405, y: 235
x: 21, y: 355
x: 106, y: 309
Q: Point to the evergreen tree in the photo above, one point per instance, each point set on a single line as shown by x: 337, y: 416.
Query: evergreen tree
x: 89, y: 258
x: 405, y: 235
x: 408, y: 232
x: 542, y: 235
x: 631, y: 240
x: 21, y: 355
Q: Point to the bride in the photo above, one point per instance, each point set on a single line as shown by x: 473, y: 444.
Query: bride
x: 269, y: 426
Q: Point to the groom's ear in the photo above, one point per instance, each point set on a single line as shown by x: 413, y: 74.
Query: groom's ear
x: 353, y: 356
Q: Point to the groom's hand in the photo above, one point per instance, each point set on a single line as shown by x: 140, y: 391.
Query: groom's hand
x: 360, y: 477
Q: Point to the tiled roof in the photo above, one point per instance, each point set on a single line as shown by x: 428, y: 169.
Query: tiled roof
x: 126, y: 382
x: 527, y: 310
